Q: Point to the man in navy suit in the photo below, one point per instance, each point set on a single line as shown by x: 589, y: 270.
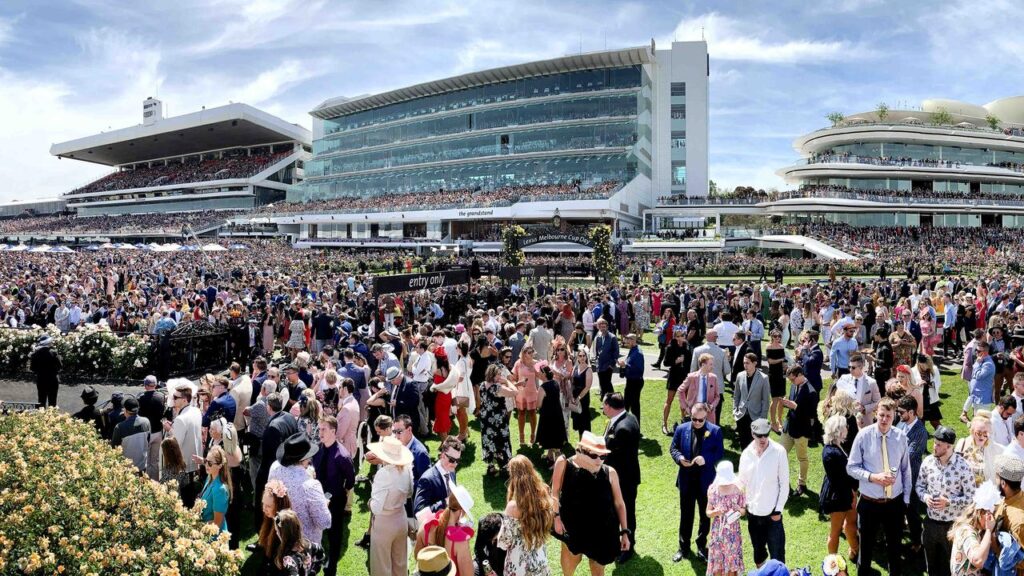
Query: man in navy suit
x: 623, y: 439
x: 433, y: 487
x: 696, y: 448
x: 606, y: 352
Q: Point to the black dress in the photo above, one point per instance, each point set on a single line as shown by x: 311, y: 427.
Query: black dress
x: 776, y: 372
x: 587, y: 510
x: 676, y: 372
x: 581, y: 421
x: 931, y: 408
x: 551, y: 425
x: 837, y: 487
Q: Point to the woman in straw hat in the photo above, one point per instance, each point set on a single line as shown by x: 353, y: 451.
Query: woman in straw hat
x: 726, y: 503
x: 591, y: 514
x: 392, y: 486
x: 451, y: 529
x: 528, y: 519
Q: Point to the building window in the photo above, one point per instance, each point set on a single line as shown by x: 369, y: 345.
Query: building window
x: 678, y: 89
x: 679, y: 111
x: 679, y: 138
x: 679, y: 172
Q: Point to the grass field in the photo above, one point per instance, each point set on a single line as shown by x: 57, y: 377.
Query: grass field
x: 658, y: 501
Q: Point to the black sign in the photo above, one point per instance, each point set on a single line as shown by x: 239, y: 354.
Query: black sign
x: 517, y: 272
x: 413, y: 282
x: 571, y: 271
x: 555, y: 237
x: 10, y: 407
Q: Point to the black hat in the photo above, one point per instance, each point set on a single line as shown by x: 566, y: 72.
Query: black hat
x: 945, y: 434
x: 90, y: 395
x: 116, y: 398
x: 131, y: 404
x: 295, y: 449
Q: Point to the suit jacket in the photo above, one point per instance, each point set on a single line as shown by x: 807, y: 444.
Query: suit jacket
x: 720, y: 364
x: 606, y: 351
x: 737, y: 359
x: 623, y: 439
x: 281, y: 426
x: 812, y: 363
x: 751, y: 396
x: 798, y: 420
x: 712, y: 450
x: 431, y: 491
x: 689, y: 389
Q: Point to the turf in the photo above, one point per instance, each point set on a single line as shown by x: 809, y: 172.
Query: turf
x: 658, y: 501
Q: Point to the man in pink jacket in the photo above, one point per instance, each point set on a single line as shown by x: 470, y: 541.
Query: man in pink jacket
x: 700, y: 386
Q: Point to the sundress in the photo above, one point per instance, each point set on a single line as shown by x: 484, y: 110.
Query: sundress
x: 725, y: 546
x: 494, y: 434
x: 518, y: 560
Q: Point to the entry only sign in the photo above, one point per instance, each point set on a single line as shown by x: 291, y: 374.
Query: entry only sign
x: 517, y: 272
x: 414, y: 282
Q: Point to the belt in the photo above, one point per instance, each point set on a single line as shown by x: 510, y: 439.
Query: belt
x: 933, y: 521
x: 880, y: 500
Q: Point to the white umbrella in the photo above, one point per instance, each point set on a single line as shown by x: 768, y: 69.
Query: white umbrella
x: 213, y: 248
x: 62, y: 250
x: 40, y: 248
x: 125, y: 247
x: 107, y: 246
x: 18, y: 248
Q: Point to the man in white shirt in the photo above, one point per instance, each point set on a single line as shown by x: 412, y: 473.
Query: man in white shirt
x: 1002, y: 421
x: 862, y: 388
x: 726, y: 329
x: 1016, y: 448
x: 764, y: 470
x: 1018, y: 391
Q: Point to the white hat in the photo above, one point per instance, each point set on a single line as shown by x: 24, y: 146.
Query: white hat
x: 391, y: 450
x: 986, y: 497
x: 724, y: 474
x: 465, y: 500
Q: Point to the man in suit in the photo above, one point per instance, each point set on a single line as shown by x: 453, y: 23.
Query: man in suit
x: 633, y: 371
x: 405, y: 396
x: 751, y: 399
x: 700, y: 386
x: 696, y: 448
x: 623, y: 439
x: 606, y: 351
x: 719, y: 364
x: 797, y: 430
x: 740, y: 349
x: 280, y: 427
x: 434, y: 485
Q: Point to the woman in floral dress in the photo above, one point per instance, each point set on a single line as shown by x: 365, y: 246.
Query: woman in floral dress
x: 494, y: 417
x: 725, y: 500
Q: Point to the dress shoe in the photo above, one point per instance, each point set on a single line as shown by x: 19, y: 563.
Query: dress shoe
x: 680, y: 554
x: 624, y: 557
x: 702, y: 555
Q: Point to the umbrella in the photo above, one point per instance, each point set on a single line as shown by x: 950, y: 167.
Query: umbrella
x: 62, y: 250
x: 188, y: 248
x: 92, y: 247
x: 125, y: 247
x: 238, y: 247
x: 141, y: 246
x: 106, y: 246
x: 165, y: 247
x: 214, y: 248
x: 40, y: 248
x: 18, y: 248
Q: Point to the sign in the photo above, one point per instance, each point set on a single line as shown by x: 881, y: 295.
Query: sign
x: 9, y: 407
x: 555, y: 237
x: 517, y: 272
x: 571, y: 271
x: 413, y: 282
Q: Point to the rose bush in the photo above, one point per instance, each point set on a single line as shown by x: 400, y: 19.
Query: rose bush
x: 91, y: 351
x: 71, y: 504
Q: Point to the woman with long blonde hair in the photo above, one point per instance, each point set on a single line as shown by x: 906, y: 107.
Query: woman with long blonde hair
x: 529, y: 516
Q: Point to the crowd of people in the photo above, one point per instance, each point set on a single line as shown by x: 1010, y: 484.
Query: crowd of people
x: 339, y: 380
x: 151, y: 223
x: 231, y: 164
x: 448, y: 198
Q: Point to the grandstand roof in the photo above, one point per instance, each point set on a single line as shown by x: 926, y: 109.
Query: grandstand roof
x: 212, y: 129
x: 335, y: 107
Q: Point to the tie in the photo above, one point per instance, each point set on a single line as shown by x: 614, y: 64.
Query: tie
x: 702, y: 393
x: 885, y: 464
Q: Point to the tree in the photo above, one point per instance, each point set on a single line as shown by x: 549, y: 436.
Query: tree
x: 993, y: 121
x: 511, y: 253
x: 835, y: 118
x: 883, y: 111
x: 712, y: 188
x: 942, y: 117
x: 601, y: 258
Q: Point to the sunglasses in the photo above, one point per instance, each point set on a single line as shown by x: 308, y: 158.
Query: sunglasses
x: 760, y: 435
x: 453, y: 460
x: 590, y: 454
x: 698, y: 420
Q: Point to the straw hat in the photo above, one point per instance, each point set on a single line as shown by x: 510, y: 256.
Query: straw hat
x: 592, y: 443
x: 434, y: 561
x: 391, y: 450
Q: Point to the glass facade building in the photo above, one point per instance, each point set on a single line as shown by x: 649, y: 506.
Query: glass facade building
x: 581, y: 125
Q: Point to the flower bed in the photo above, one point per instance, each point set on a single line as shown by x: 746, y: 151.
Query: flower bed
x: 71, y: 504
x: 90, y: 351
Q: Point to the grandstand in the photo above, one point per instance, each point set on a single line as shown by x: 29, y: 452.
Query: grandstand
x: 229, y: 158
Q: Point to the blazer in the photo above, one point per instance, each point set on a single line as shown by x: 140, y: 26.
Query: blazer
x: 812, y: 362
x: 689, y: 389
x: 431, y: 491
x: 837, y: 487
x: 712, y: 450
x: 751, y: 396
x: 623, y: 439
x: 281, y: 426
x: 606, y: 351
x: 798, y: 420
x: 737, y: 359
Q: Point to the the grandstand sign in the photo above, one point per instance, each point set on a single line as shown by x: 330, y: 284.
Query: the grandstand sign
x: 413, y: 282
x: 555, y: 237
x: 517, y: 272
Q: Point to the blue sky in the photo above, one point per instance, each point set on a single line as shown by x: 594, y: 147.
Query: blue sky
x: 74, y: 68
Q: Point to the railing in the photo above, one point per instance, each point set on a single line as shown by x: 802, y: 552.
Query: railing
x: 981, y: 129
x: 1009, y: 200
x: 904, y: 162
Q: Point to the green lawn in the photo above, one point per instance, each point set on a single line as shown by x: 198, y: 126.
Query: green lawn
x: 658, y: 501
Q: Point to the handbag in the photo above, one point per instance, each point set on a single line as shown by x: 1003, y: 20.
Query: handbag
x: 461, y: 401
x: 575, y: 406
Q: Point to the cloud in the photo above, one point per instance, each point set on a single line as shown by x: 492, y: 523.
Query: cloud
x: 732, y: 39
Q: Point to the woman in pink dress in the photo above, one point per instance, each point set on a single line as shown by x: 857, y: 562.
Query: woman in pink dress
x: 927, y: 334
x: 524, y: 374
x: 726, y: 503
